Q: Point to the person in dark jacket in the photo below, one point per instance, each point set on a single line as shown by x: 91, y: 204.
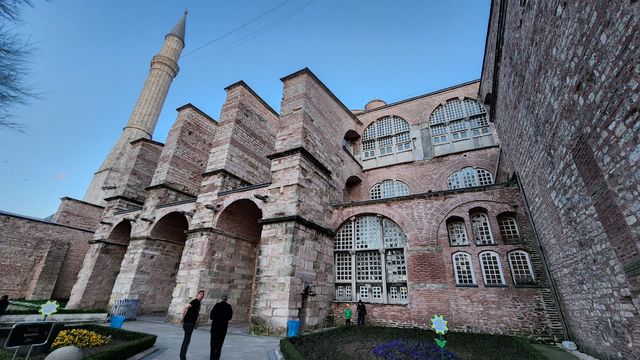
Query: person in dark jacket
x: 4, y: 304
x: 220, y: 316
x: 189, y: 320
x: 362, y: 311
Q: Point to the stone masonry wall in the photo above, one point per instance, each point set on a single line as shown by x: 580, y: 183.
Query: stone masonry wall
x: 78, y: 213
x: 142, y: 160
x: 33, y: 254
x: 566, y: 110
x: 184, y: 157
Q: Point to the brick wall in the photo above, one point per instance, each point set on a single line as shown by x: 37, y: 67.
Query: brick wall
x: 565, y: 102
x: 78, y: 213
x: 39, y: 259
x: 140, y: 165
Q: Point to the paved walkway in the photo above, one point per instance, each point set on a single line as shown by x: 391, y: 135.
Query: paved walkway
x: 238, y: 344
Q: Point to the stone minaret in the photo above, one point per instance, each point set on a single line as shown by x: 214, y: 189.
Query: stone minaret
x: 143, y: 119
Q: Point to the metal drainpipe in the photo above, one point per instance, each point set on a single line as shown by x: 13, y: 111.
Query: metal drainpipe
x: 554, y: 290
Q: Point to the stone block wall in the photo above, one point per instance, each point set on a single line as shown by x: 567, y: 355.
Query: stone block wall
x: 78, y: 214
x: 246, y: 136
x: 565, y: 97
x: 184, y: 156
x: 138, y: 169
x: 39, y: 259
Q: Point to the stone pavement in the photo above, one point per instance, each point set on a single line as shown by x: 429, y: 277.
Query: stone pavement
x: 238, y: 344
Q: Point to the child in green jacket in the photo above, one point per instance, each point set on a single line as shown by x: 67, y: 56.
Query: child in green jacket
x: 347, y: 315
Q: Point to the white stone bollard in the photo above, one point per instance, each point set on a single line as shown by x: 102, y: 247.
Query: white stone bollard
x: 65, y: 353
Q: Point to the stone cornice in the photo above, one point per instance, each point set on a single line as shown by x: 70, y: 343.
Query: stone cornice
x: 300, y: 220
x: 81, y: 202
x: 246, y: 188
x: 107, y: 242
x: 127, y: 199
x: 194, y: 108
x: 168, y: 187
x: 225, y: 172
x: 153, y: 142
x: 43, y: 221
x: 306, y: 154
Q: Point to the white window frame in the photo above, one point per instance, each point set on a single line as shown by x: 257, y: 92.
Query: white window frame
x: 475, y: 177
x: 455, y: 262
x: 476, y: 232
x: 459, y: 222
x: 458, y: 120
x: 392, y: 131
x: 513, y: 225
x: 483, y: 267
x: 381, y: 190
x: 528, y: 262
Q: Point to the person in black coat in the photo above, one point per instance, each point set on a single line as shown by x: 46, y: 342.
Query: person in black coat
x: 362, y: 311
x: 4, y: 304
x: 189, y: 320
x: 220, y: 316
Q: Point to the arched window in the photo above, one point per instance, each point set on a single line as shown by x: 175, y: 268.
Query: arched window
x: 388, y: 188
x: 458, y: 120
x: 369, y: 261
x: 385, y: 136
x: 457, y: 232
x: 508, y: 228
x: 469, y: 177
x: 481, y: 229
x: 521, y: 269
x: 463, y: 269
x: 491, y: 269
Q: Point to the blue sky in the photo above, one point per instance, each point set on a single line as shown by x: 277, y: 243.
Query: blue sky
x: 91, y: 59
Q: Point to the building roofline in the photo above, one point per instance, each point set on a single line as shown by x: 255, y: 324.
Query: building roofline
x: 307, y: 71
x: 80, y: 201
x: 43, y: 221
x: 419, y: 96
x: 153, y: 142
x: 195, y: 108
x: 486, y: 43
x: 244, y: 84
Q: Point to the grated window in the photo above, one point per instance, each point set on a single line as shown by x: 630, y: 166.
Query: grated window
x: 463, y: 269
x: 491, y: 270
x: 481, y: 229
x: 457, y: 233
x: 508, y: 228
x: 521, y: 269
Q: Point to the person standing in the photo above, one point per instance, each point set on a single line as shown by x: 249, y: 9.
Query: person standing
x: 362, y: 311
x: 347, y: 315
x: 4, y: 304
x: 220, y: 316
x: 189, y: 319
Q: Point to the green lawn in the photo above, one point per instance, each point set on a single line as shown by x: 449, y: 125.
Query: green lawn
x: 393, y: 343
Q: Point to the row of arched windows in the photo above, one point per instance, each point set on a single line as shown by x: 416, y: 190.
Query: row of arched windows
x: 481, y: 229
x: 455, y: 120
x: 491, y: 268
x: 467, y: 177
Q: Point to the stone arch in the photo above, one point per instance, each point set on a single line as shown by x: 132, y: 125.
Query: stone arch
x: 121, y: 233
x: 158, y: 260
x: 234, y: 255
x: 407, y: 224
x: 461, y: 208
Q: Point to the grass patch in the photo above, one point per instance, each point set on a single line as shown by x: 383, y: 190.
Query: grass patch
x: 359, y: 342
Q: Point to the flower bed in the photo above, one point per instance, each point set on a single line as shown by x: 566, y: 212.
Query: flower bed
x: 121, y: 344
x: 370, y: 342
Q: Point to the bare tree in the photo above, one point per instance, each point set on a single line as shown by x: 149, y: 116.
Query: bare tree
x: 14, y: 50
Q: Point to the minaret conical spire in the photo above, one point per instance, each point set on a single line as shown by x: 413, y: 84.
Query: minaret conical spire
x: 145, y: 114
x: 178, y: 30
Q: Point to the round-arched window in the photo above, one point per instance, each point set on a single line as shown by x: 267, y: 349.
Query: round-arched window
x: 458, y: 120
x: 369, y: 261
x: 385, y: 136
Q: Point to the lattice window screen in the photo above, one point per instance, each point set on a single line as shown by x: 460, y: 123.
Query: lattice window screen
x: 343, y: 267
x: 521, y: 268
x: 396, y: 266
x: 376, y: 192
x: 453, y: 181
x: 393, y: 235
x: 484, y: 177
x: 344, y: 238
x: 368, y: 266
x: 473, y: 107
x: 368, y: 233
x: 468, y: 175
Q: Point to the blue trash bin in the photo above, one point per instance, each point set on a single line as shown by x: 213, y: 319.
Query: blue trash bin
x: 293, y: 327
x: 117, y: 321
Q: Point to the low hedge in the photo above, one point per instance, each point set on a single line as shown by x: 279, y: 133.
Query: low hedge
x: 289, y: 351
x: 33, y: 311
x: 136, y: 342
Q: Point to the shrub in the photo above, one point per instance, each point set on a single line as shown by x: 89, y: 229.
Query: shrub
x: 261, y: 330
x: 136, y: 342
x: 289, y: 351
